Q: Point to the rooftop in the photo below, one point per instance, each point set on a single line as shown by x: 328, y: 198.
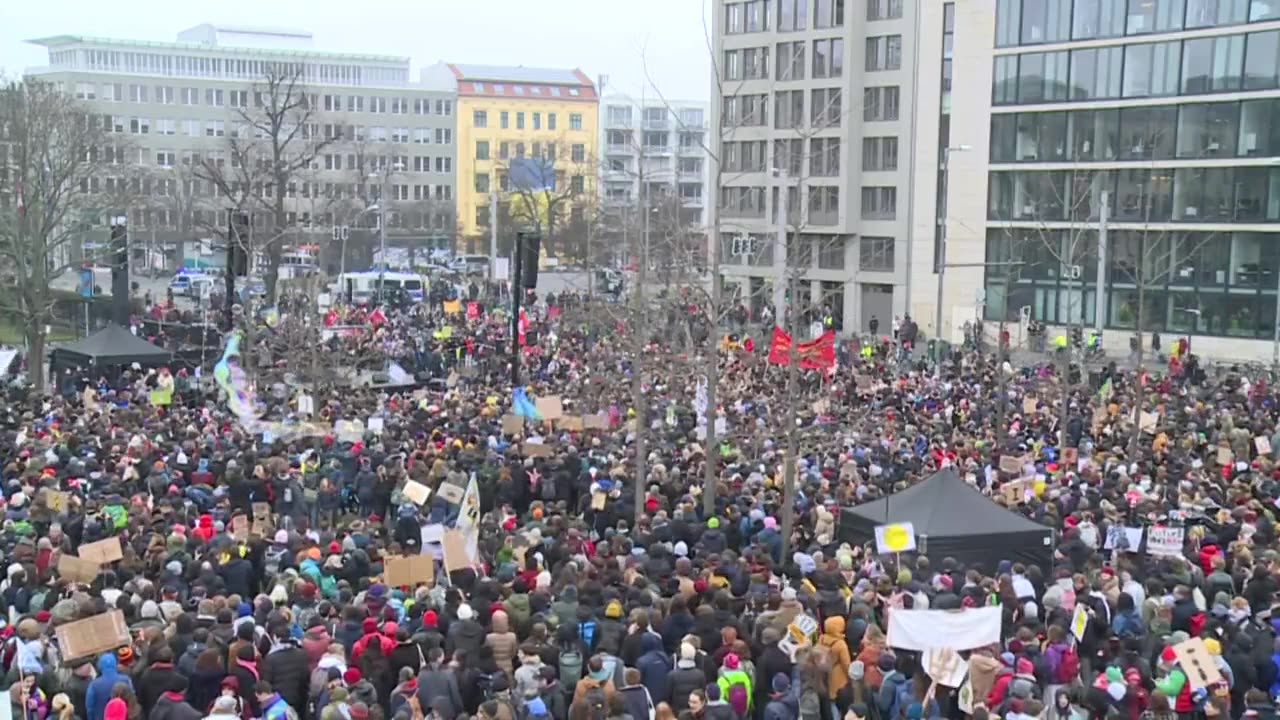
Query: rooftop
x: 56, y: 41
x: 520, y: 74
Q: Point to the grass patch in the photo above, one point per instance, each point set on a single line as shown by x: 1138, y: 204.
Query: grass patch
x: 11, y: 334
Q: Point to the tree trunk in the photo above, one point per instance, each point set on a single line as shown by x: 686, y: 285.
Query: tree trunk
x: 789, y: 486
x: 1001, y: 386
x: 35, y: 354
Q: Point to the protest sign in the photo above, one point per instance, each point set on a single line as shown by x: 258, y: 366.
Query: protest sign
x: 1262, y: 444
x: 93, y: 636
x: 863, y: 382
x: 895, y: 538
x: 348, y: 430
x: 595, y: 422
x: 945, y: 666
x: 1124, y: 539
x: 261, y: 510
x: 572, y: 423
x: 1012, y: 465
x: 417, y: 492
x: 1148, y: 422
x: 1079, y: 622
x: 102, y: 552
x: 1013, y: 492
x: 1029, y: 407
x: 1165, y: 541
x: 409, y: 570
x: 598, y: 500
x: 240, y: 528
x: 376, y: 425
x: 532, y: 450
x: 455, y: 550
x: 550, y: 407
x: 1225, y: 456
x: 966, y: 629
x: 512, y: 424
x: 1197, y: 663
x: 55, y: 500
x: 76, y: 569
x: 451, y: 492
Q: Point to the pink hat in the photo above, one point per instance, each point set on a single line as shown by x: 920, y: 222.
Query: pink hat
x: 770, y: 523
x: 731, y: 661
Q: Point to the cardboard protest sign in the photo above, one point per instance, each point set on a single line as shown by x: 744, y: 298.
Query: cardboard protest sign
x: 1165, y: 541
x: 550, y: 407
x: 863, y: 382
x: 452, y: 380
x: 945, y: 666
x: 102, y: 552
x: 1262, y: 444
x: 1148, y: 422
x: 595, y: 422
x: 1100, y: 417
x: 598, y: 500
x: 261, y: 510
x: 417, y: 492
x: 1197, y: 663
x: 408, y: 570
x: 531, y: 450
x: 56, y: 500
x: 240, y: 528
x: 1013, y: 492
x: 512, y: 424
x: 1030, y: 405
x: 93, y: 636
x: 572, y: 423
x: 451, y: 492
x: 76, y: 569
x: 1225, y: 456
x: 1012, y: 465
x: 454, y: 543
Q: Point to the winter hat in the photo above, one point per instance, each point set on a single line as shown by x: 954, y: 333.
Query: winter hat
x: 687, y: 655
x: 465, y: 612
x: 712, y: 690
x: 536, y: 707
x: 224, y: 704
x: 115, y: 710
x: 430, y: 619
x: 886, y: 662
x: 613, y: 609
x: 731, y: 661
x: 915, y: 711
x: 857, y: 670
x: 282, y: 537
x: 781, y: 683
x: 1168, y: 656
x: 351, y: 676
x: 369, y: 626
x: 359, y: 711
x: 788, y: 593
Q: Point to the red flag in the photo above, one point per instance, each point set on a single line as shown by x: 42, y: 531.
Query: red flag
x: 817, y: 354
x: 553, y: 312
x: 377, y: 317
x: 748, y: 344
x: 331, y: 318
x: 473, y: 310
x: 522, y: 324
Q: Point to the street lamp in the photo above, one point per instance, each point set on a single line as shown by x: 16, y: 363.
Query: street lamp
x: 381, y: 207
x: 941, y: 264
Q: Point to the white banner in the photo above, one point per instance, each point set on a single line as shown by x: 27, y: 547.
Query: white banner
x: 920, y: 630
x: 1165, y: 541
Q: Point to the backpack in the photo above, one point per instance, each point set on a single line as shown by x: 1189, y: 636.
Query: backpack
x: 587, y: 632
x: 547, y: 487
x: 738, y: 699
x: 810, y: 704
x: 570, y: 667
x: 1068, y: 666
x: 594, y: 699
x: 1197, y: 624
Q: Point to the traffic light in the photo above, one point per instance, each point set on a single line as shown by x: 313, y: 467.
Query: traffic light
x: 119, y: 253
x: 530, y: 245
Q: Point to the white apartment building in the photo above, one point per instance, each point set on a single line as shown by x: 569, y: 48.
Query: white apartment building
x: 1167, y: 108
x: 827, y: 100
x: 178, y: 102
x: 661, y: 145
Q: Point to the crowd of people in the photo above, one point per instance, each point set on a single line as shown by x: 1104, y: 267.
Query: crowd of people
x: 595, y: 594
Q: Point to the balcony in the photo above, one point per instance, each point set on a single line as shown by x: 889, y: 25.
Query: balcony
x: 620, y: 149
x: 657, y: 149
x: 691, y: 150
x: 619, y: 122
x: 656, y: 124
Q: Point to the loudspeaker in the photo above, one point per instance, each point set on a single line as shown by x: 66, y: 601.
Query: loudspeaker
x: 119, y: 249
x: 530, y: 250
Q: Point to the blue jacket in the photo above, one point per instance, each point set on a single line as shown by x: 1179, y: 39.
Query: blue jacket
x: 654, y: 666
x: 99, y: 691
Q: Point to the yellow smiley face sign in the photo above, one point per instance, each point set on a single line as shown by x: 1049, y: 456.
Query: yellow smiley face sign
x: 895, y: 538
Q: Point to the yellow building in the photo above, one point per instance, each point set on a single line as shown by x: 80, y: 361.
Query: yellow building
x: 531, y: 135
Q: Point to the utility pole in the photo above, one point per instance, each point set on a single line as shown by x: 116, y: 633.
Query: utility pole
x: 941, y: 268
x: 639, y: 308
x: 493, y: 236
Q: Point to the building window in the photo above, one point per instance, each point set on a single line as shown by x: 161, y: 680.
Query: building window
x: 577, y: 184
x: 879, y: 203
x: 791, y: 60
x: 86, y: 91
x: 1151, y: 70
x: 828, y: 58
x: 877, y: 10
x: 482, y: 149
x: 1207, y: 130
x: 884, y: 53
x: 788, y: 109
x: 793, y: 15
x: 880, y: 103
x: 788, y: 156
x: 1212, y: 64
x: 880, y: 153
x: 551, y: 121
x: 1156, y: 16
x: 537, y: 121
x: 575, y: 121
x: 578, y: 153
x: 1045, y: 21
x: 166, y: 95
x: 1208, y: 13
x: 482, y: 182
x: 519, y: 121
x: 1098, y: 19
x: 824, y: 205
x: 504, y: 119
x: 831, y: 253
x: 824, y: 157
x: 1095, y: 75
x: 875, y: 254
x: 138, y: 93
x: 824, y: 108
x: 480, y: 119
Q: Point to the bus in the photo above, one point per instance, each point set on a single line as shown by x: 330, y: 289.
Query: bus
x: 360, y: 287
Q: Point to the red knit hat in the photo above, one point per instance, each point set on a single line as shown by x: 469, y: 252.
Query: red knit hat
x: 1168, y: 656
x: 351, y: 676
x: 430, y: 619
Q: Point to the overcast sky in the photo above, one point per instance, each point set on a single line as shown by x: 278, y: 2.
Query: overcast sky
x: 610, y: 37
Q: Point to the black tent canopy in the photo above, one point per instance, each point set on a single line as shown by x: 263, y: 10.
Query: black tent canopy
x: 112, y: 345
x: 952, y: 519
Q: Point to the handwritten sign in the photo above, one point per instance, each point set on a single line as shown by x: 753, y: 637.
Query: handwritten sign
x: 93, y: 636
x: 1029, y: 406
x: 55, y: 500
x: 598, y: 500
x: 1197, y: 663
x: 417, y: 492
x: 531, y: 450
x: 1262, y: 444
x: 102, y: 552
x: 77, y: 570
x: 454, y: 543
x: 571, y: 423
x: 595, y: 422
x: 1165, y: 541
x: 409, y: 570
x: 1011, y: 465
x: 550, y: 407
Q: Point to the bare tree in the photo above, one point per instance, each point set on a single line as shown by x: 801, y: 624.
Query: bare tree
x: 275, y: 140
x: 542, y: 187
x: 58, y: 178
